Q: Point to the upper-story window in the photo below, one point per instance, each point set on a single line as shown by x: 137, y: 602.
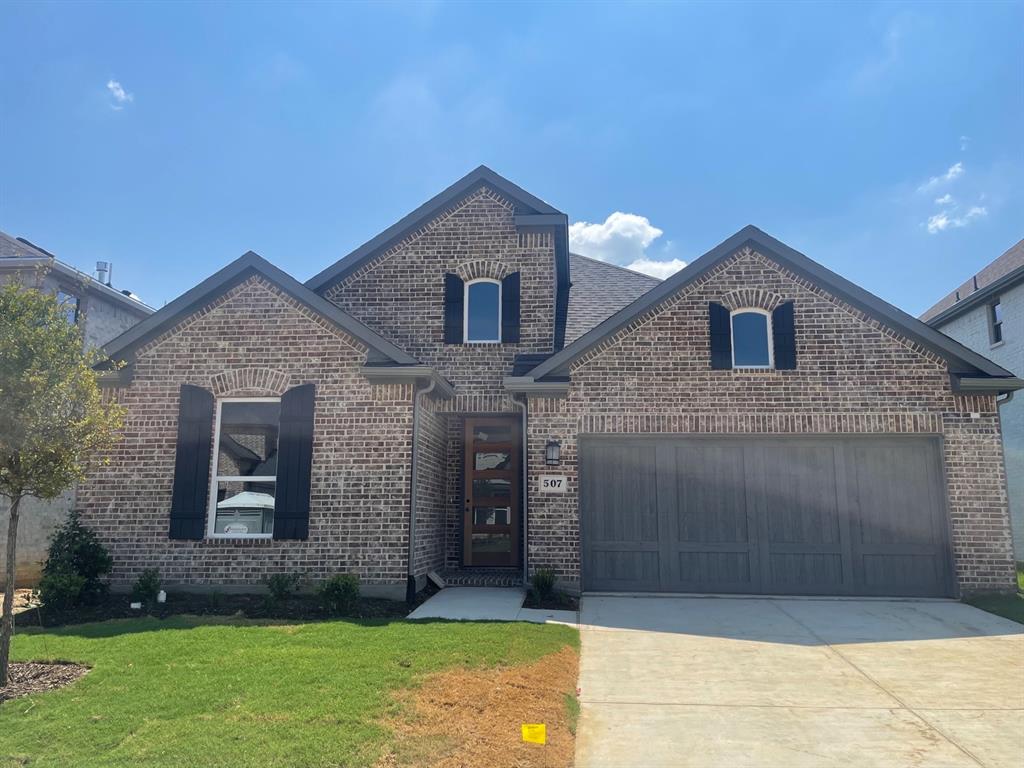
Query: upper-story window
x: 995, y: 321
x: 483, y: 311
x: 69, y: 306
x: 751, y: 339
x: 244, y: 468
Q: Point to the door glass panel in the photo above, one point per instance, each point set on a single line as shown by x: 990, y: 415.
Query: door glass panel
x: 493, y: 433
x: 493, y: 487
x: 492, y: 460
x: 492, y: 543
x: 491, y: 516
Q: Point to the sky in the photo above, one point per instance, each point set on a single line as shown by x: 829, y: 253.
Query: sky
x: 885, y: 141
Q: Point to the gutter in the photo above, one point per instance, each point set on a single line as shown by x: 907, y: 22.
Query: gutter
x: 405, y: 374
x: 972, y: 385
x: 410, y: 581
x: 527, y: 385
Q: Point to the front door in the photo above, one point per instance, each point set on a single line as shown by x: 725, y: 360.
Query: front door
x: 491, y: 514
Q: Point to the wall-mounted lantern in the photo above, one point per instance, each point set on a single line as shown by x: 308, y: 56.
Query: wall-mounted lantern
x: 553, y: 453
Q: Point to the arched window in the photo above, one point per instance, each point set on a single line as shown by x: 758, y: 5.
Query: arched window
x: 483, y: 311
x: 751, y: 338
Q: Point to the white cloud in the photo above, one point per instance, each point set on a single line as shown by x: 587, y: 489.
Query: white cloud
x: 954, y: 171
x: 949, y: 219
x: 658, y: 269
x: 622, y: 238
x: 119, y: 95
x: 964, y: 141
x: 946, y: 199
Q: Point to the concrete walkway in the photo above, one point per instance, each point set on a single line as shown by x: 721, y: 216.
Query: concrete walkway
x: 487, y: 604
x: 798, y: 684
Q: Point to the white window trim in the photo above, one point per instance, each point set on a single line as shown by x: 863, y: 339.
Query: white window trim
x: 465, y: 312
x: 770, y: 339
x: 211, y: 513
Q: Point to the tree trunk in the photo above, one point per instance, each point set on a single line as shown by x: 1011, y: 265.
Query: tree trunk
x: 7, y: 621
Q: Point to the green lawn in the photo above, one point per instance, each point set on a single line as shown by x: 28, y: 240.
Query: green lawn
x: 1008, y: 606
x: 189, y: 691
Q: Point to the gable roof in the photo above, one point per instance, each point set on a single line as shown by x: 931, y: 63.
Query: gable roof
x: 535, y: 215
x: 599, y: 290
x: 234, y: 273
x: 964, y: 363
x: 1003, y: 273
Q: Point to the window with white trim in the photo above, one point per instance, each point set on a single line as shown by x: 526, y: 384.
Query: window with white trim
x: 483, y: 311
x: 244, y: 468
x: 69, y: 305
x: 751, y: 338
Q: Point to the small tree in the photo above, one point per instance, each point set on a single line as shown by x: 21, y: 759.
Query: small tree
x: 53, y: 420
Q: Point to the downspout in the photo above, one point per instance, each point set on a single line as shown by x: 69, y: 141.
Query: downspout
x: 410, y: 582
x: 525, y: 495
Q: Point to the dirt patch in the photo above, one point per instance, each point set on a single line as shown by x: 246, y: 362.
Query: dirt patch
x: 473, y: 718
x: 37, y: 677
x: 22, y: 600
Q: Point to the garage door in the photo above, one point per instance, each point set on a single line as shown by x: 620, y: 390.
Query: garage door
x: 848, y: 516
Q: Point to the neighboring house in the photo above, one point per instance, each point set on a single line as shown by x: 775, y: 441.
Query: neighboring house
x: 431, y: 402
x: 987, y: 314
x: 103, y: 313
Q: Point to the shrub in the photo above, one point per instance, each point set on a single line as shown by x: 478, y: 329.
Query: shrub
x: 339, y: 594
x: 75, y: 556
x: 61, y: 590
x: 543, y: 583
x: 147, y: 586
x: 283, y: 585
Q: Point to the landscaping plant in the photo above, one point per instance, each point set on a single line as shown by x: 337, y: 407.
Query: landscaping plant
x: 75, y: 566
x: 543, y: 583
x: 339, y: 594
x: 53, y: 420
x: 147, y: 586
x: 282, y: 586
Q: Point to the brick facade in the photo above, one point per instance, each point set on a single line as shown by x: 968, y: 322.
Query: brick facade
x: 853, y: 375
x: 256, y: 341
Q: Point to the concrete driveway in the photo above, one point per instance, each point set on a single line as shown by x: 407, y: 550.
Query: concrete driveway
x: 674, y: 681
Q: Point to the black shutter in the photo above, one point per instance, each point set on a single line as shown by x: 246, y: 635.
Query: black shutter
x: 454, y: 296
x: 294, y: 463
x: 510, y: 309
x: 192, y: 464
x: 720, y: 331
x: 784, y: 335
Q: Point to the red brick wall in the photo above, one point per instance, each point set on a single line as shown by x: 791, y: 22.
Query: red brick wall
x: 256, y: 341
x: 400, y: 294
x: 853, y: 376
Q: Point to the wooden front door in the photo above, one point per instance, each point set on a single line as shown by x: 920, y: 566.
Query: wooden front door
x: 492, y: 479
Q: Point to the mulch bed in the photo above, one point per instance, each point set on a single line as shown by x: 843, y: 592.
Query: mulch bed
x: 299, y: 607
x: 30, y: 677
x: 467, y: 718
x: 558, y: 601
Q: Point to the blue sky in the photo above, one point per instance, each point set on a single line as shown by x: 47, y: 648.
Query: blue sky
x: 884, y: 141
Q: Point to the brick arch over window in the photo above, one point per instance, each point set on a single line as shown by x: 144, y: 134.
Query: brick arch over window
x: 751, y: 298
x: 474, y: 270
x: 250, y: 382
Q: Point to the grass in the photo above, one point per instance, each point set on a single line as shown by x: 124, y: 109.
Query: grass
x: 572, y: 711
x: 204, y: 691
x: 1007, y: 606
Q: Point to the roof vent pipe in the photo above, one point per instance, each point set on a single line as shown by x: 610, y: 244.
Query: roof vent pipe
x: 103, y: 272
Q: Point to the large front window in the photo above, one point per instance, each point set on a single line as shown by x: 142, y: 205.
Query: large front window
x: 483, y: 311
x: 244, y: 468
x: 751, y: 339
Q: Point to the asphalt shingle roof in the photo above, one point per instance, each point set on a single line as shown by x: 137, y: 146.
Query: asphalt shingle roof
x: 1004, y: 265
x: 599, y: 290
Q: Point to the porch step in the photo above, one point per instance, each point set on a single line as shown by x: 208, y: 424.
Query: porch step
x: 483, y: 577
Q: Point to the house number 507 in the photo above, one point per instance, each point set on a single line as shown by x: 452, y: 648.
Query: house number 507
x: 552, y: 483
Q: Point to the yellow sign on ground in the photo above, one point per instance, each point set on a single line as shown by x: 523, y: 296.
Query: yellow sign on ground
x: 535, y: 733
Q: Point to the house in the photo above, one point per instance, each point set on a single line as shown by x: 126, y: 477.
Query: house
x: 432, y: 403
x: 103, y: 313
x: 986, y: 314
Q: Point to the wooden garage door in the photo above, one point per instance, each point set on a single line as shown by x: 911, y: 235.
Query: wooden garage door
x: 778, y: 515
